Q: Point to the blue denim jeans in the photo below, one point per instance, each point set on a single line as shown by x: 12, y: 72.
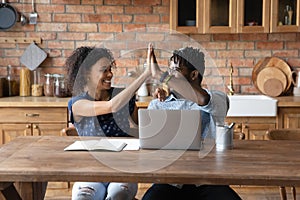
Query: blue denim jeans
x: 103, y: 191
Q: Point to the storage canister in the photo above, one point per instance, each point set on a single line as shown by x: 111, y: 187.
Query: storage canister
x: 60, y: 88
x: 37, y: 86
x: 24, y: 82
x: 11, y: 84
x: 48, y: 85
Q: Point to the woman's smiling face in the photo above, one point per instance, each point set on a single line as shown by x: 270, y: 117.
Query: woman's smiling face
x: 101, y: 74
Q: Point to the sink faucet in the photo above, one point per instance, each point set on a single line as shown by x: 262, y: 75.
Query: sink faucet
x: 230, y: 86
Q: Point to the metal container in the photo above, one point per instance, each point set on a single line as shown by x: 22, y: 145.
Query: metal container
x: 224, y: 137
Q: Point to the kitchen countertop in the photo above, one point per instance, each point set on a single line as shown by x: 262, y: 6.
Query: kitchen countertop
x: 43, y: 101
x: 17, y: 101
x: 288, y: 101
x: 283, y: 101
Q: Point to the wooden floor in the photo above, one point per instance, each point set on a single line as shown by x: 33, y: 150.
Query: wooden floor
x: 245, y: 192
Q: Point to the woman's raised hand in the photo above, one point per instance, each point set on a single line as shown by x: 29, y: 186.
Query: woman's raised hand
x: 152, y: 62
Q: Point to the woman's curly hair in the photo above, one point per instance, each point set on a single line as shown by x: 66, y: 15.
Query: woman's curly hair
x: 79, y: 65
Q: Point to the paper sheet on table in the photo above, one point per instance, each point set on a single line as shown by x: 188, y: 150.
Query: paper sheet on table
x: 132, y: 144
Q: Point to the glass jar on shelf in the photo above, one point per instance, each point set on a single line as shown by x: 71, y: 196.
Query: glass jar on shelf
x: 48, y: 85
x: 37, y: 86
x: 60, y: 88
x: 11, y: 84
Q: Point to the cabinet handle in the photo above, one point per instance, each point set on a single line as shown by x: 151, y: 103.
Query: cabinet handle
x: 35, y: 126
x: 28, y: 126
x: 32, y: 115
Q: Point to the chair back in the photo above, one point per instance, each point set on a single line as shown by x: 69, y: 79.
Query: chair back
x: 69, y: 131
x: 283, y: 134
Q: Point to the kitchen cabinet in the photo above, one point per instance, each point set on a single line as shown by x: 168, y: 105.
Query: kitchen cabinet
x: 183, y: 12
x: 280, y: 19
x: 288, y: 112
x: 288, y: 117
x: 233, y: 16
x: 33, y: 116
x: 27, y: 121
x: 254, y: 128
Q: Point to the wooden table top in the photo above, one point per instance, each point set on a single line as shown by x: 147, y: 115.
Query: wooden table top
x: 42, y: 158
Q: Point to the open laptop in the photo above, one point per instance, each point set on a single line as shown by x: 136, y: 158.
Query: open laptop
x: 169, y: 129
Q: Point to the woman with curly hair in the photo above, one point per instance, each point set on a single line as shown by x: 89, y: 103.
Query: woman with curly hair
x: 98, y: 109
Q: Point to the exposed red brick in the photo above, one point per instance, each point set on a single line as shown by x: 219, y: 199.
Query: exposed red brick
x: 150, y: 37
x: 292, y: 45
x: 117, y: 2
x: 80, y: 9
x: 65, y: 2
x: 52, y: 27
x: 214, y: 45
x: 201, y: 37
x: 295, y: 62
x: 71, y: 36
x: 135, y: 27
x: 257, y: 54
x: 147, y: 2
x: 110, y: 28
x: 240, y: 45
x: 138, y: 10
x: 97, y: 18
x: 283, y: 37
x: 110, y: 9
x: 146, y: 19
x: 54, y: 53
x: 66, y: 18
x: 61, y: 45
x: 225, y: 37
x: 161, y: 9
x: 122, y: 18
x: 83, y: 27
x: 44, y: 17
x: 100, y: 36
x: 286, y: 53
x: 230, y: 54
x: 92, y: 2
x: 254, y: 37
x: 49, y: 8
x: 269, y: 45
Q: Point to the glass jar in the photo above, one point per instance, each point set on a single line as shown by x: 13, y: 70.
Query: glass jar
x: 60, y: 88
x: 11, y: 84
x: 37, y: 86
x: 48, y: 85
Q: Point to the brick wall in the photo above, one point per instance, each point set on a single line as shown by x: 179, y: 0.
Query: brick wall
x: 126, y: 26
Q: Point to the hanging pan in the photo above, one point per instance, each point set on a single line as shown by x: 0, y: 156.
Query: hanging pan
x: 8, y: 16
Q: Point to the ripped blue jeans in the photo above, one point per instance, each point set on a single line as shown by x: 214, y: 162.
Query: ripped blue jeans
x: 103, y: 191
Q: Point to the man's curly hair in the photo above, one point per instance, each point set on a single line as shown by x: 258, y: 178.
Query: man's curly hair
x: 79, y: 65
x: 192, y: 58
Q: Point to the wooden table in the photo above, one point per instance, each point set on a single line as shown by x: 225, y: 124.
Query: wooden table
x: 38, y: 159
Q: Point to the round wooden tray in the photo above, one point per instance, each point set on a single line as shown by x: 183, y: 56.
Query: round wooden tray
x: 271, y: 81
x: 274, y: 63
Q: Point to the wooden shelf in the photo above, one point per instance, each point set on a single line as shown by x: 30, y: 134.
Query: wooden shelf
x: 21, y: 40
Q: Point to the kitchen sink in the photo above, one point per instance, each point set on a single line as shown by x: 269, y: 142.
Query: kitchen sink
x: 252, y: 105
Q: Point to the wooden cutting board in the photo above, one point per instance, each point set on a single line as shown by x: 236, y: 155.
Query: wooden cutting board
x: 271, y: 81
x: 274, y: 63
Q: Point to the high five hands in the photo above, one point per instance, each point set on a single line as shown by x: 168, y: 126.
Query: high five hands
x: 156, y: 72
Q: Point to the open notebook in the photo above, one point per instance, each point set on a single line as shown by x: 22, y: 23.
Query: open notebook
x: 96, y: 145
x: 104, y: 144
